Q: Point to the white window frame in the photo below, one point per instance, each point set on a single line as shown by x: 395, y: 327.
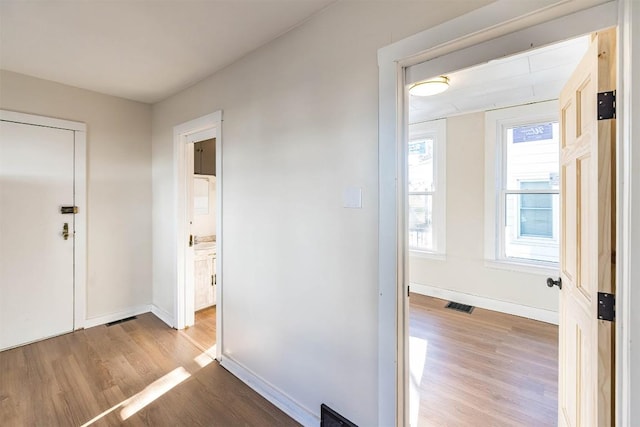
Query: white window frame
x: 496, y: 122
x: 437, y: 131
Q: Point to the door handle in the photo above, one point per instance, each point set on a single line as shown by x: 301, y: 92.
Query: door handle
x: 551, y: 283
x: 65, y: 231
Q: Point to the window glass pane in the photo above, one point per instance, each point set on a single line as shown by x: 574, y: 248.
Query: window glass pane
x: 420, y: 222
x: 536, y: 222
x: 536, y: 210
x: 532, y: 155
x: 421, y: 165
x: 535, y: 185
x: 532, y: 226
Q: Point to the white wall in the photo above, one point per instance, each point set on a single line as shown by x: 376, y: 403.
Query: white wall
x: 631, y: 271
x: 464, y: 269
x: 205, y: 224
x: 118, y: 185
x: 300, y: 123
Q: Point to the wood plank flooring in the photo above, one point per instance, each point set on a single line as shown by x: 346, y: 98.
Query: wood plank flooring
x: 140, y: 372
x: 203, y: 333
x: 481, y: 369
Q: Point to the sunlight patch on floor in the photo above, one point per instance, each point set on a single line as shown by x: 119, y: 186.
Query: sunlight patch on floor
x: 153, y: 391
x: 150, y: 393
x: 203, y: 359
x: 417, y: 361
x: 156, y: 389
x: 104, y: 414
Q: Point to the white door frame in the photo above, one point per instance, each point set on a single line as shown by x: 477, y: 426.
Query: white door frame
x: 183, y: 134
x: 498, y: 29
x: 80, y: 199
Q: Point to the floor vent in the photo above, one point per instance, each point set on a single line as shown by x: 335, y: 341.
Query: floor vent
x: 121, y: 321
x: 330, y: 418
x: 460, y: 307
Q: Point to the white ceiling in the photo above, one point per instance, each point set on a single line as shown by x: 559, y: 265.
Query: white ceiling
x: 532, y: 76
x: 140, y: 50
x: 149, y: 50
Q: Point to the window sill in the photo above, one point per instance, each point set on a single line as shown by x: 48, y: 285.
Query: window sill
x: 435, y: 256
x: 521, y: 267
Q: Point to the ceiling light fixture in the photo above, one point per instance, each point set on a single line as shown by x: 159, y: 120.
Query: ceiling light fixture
x: 430, y: 87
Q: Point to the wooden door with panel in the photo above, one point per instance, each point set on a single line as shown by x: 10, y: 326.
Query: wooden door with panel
x: 587, y: 199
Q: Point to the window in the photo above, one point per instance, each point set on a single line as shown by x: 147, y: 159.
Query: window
x: 521, y: 200
x: 421, y: 194
x: 426, y: 187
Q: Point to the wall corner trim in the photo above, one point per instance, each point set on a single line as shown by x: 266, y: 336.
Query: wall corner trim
x: 271, y: 393
x: 163, y: 315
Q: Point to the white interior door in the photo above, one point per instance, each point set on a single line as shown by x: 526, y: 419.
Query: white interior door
x: 36, y: 262
x: 587, y: 160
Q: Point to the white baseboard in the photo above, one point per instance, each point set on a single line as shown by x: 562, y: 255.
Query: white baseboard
x: 272, y: 394
x: 101, y: 320
x: 542, y: 315
x: 163, y: 315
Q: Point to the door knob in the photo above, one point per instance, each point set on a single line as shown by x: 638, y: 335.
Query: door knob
x: 65, y: 231
x: 551, y: 283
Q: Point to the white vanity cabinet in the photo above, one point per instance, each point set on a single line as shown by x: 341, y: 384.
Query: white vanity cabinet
x: 205, y: 277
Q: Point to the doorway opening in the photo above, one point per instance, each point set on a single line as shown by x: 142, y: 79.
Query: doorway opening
x: 198, y: 237
x: 503, y: 157
x: 202, y: 236
x: 495, y: 30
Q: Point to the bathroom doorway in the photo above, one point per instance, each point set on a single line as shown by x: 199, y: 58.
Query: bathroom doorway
x: 202, y: 236
x: 198, y: 292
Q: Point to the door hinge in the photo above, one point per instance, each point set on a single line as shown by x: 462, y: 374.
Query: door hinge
x: 606, y: 306
x: 607, y: 105
x: 408, y: 291
x: 613, y: 257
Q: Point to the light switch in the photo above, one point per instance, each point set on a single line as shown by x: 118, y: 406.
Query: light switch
x: 352, y: 197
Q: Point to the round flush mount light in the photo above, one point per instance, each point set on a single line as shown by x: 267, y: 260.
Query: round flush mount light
x: 430, y: 87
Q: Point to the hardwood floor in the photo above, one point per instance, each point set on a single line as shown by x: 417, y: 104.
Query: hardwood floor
x: 139, y: 372
x: 203, y: 333
x: 481, y: 369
